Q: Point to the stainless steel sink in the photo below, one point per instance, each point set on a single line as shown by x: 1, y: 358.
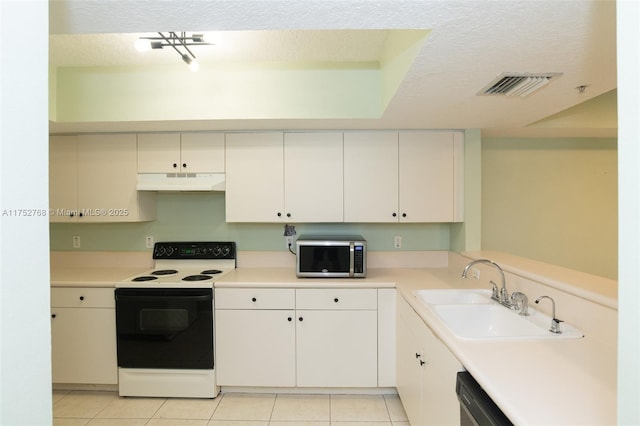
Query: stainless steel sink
x: 472, y: 315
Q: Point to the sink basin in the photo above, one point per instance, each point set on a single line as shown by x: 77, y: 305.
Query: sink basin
x: 453, y: 297
x: 472, y: 314
x: 493, y: 321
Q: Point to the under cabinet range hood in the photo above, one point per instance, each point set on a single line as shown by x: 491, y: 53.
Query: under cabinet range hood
x: 181, y: 182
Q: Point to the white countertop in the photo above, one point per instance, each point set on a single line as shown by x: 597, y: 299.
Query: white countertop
x: 91, y: 277
x: 535, y: 382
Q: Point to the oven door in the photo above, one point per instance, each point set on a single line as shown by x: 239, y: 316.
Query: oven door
x: 164, y: 328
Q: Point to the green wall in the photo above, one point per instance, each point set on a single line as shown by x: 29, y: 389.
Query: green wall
x: 553, y: 200
x: 200, y: 216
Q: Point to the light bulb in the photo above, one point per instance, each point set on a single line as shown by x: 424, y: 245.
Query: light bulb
x: 194, y: 66
x: 142, y: 45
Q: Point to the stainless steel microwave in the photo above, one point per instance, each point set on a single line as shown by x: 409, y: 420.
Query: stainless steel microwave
x: 331, y: 256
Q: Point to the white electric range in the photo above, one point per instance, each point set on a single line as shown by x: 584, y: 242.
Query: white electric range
x: 164, y: 321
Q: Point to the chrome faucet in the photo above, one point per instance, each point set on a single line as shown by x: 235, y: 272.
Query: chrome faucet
x: 520, y: 303
x: 555, y: 322
x: 502, y: 295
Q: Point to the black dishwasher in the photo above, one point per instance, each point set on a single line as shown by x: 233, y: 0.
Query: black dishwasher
x: 476, y: 408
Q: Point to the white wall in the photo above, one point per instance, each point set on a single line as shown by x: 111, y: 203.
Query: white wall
x: 628, y: 15
x: 25, y: 353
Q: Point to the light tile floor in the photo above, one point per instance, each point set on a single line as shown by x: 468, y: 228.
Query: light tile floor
x: 93, y: 408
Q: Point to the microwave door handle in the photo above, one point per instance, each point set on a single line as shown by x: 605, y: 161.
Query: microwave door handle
x: 351, y: 258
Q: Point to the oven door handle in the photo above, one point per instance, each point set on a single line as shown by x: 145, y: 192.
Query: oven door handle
x: 164, y: 298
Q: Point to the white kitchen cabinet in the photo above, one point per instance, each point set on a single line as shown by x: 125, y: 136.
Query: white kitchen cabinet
x: 403, y: 176
x: 254, y: 177
x: 328, y: 340
x: 426, y: 372
x: 95, y: 181
x: 313, y: 177
x: 255, y: 337
x: 83, y: 336
x: 63, y: 178
x: 337, y: 337
x: 181, y: 152
x: 284, y: 177
x: 371, y: 177
x: 255, y: 347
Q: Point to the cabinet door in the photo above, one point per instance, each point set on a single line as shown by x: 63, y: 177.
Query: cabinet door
x: 409, y: 369
x: 313, y: 182
x: 63, y: 178
x: 107, y: 177
x: 158, y: 152
x: 254, y: 177
x: 83, y: 346
x: 202, y: 152
x: 426, y: 176
x: 336, y: 348
x: 440, y: 404
x: 371, y: 177
x: 255, y: 347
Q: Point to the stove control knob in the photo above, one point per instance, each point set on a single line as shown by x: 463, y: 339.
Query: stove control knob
x: 169, y: 251
x: 159, y: 251
x: 216, y: 251
x: 226, y: 250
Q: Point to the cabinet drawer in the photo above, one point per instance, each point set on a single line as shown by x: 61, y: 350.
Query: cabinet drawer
x: 254, y: 298
x: 71, y: 297
x: 332, y: 298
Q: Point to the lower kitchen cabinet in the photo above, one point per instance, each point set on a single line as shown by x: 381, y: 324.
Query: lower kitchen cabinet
x: 296, y: 337
x: 255, y: 348
x: 426, y: 372
x: 337, y: 348
x: 83, y: 336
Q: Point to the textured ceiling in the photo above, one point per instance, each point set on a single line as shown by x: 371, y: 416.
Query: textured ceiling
x: 471, y: 43
x: 228, y: 46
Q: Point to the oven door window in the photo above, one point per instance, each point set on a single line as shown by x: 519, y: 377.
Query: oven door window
x: 165, y: 328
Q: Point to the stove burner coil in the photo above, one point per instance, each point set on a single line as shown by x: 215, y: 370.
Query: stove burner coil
x: 164, y: 272
x: 211, y: 272
x: 198, y: 277
x: 144, y: 278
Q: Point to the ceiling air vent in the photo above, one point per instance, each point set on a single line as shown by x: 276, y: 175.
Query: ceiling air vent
x: 517, y: 84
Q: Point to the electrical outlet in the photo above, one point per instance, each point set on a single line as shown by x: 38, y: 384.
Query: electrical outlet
x: 397, y: 241
x: 474, y: 273
x: 288, y: 242
x: 149, y: 241
x: 76, y: 242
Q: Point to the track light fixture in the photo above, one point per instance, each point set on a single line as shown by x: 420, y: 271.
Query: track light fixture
x: 177, y: 41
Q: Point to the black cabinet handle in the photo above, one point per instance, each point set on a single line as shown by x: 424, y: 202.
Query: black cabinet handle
x: 289, y: 319
x: 422, y: 363
x: 53, y: 315
x: 394, y: 214
x: 418, y: 355
x: 184, y: 165
x: 404, y: 215
x: 81, y: 298
x: 279, y: 214
x: 72, y: 214
x: 288, y: 214
x: 253, y: 299
x: 175, y: 165
x: 80, y: 214
x: 336, y: 300
x: 300, y: 319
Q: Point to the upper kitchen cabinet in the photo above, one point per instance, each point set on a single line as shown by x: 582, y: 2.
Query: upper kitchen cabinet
x: 278, y: 177
x: 92, y: 178
x: 186, y: 152
x: 403, y: 177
